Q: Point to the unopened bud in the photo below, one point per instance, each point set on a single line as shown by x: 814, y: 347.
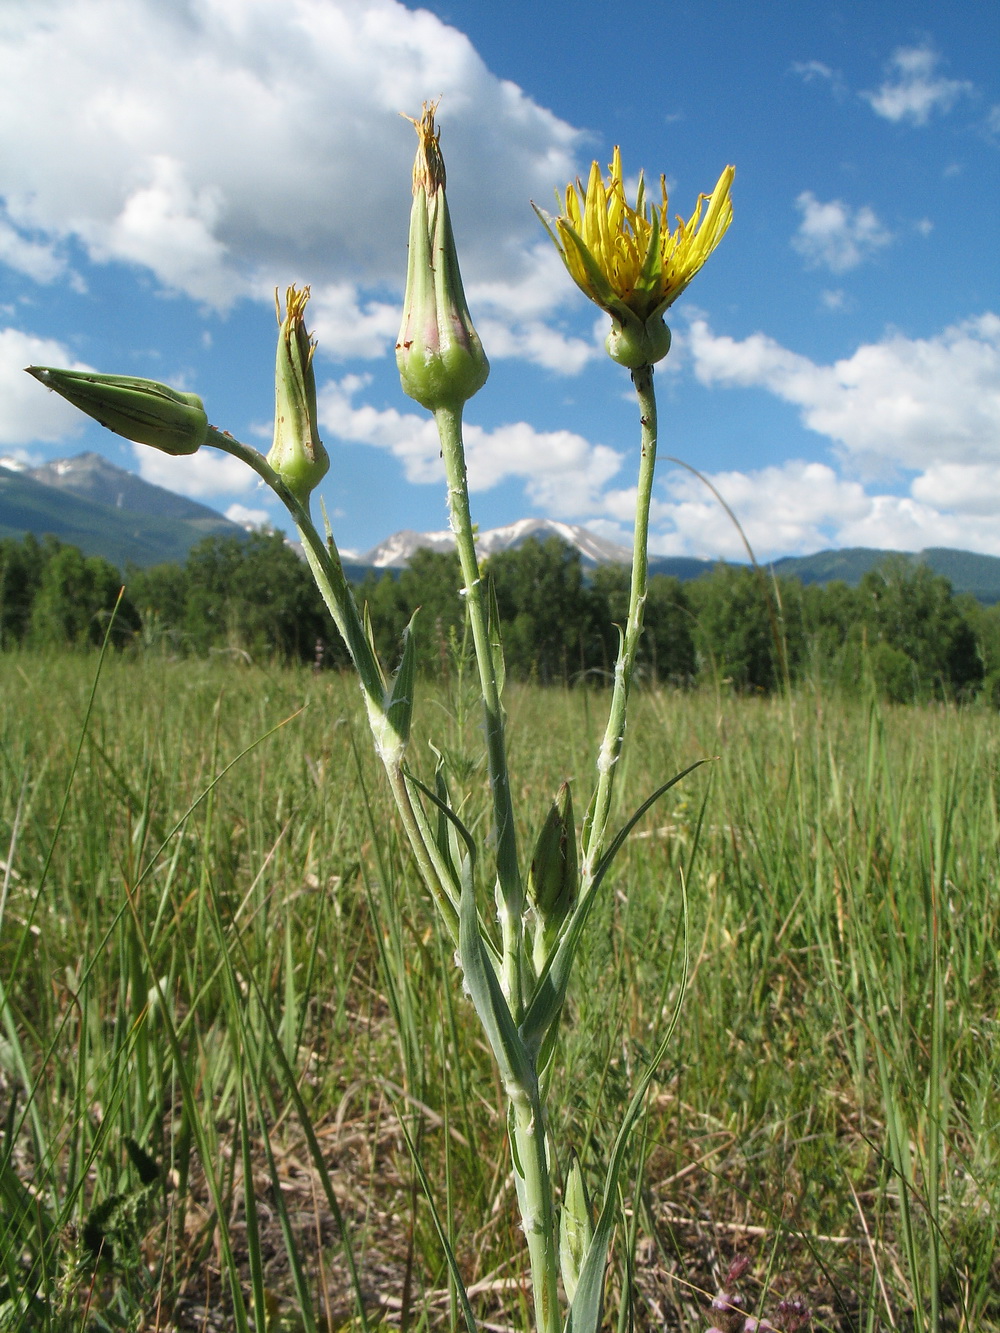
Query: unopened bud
x: 440, y: 358
x: 141, y: 410
x: 554, y: 876
x: 576, y: 1229
x: 297, y: 454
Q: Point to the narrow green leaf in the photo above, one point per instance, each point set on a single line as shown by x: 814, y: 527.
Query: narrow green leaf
x: 399, y: 695
x: 586, y: 1308
x: 496, y: 640
x: 516, y: 1068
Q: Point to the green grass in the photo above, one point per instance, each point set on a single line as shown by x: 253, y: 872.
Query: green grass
x: 213, y: 948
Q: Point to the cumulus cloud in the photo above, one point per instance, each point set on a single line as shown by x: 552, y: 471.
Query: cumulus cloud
x: 796, y: 506
x: 802, y: 506
x: 913, y: 88
x: 201, y: 476
x: 835, y: 236
x: 35, y: 259
x: 29, y: 413
x: 911, y: 402
x: 249, y: 518
x: 229, y: 148
x: 563, y: 474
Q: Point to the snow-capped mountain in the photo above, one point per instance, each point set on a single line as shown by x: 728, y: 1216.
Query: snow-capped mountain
x: 396, y: 551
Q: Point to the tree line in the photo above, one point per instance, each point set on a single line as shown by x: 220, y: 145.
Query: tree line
x: 902, y: 629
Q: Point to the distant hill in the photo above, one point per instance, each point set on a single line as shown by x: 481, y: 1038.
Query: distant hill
x: 966, y: 570
x: 104, y: 510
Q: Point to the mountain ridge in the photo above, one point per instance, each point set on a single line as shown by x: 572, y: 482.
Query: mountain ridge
x: 89, y: 502
x: 106, y: 510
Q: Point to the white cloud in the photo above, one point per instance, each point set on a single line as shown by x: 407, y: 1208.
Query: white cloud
x: 911, y: 402
x: 800, y: 507
x: 834, y: 299
x: 35, y: 259
x: 563, y: 473
x: 964, y: 488
x: 815, y: 71
x: 202, y: 476
x: 29, y: 412
x: 914, y: 89
x: 797, y: 506
x: 835, y: 236
x: 249, y: 518
x: 229, y: 147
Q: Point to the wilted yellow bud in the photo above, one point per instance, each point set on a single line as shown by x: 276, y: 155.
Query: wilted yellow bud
x: 141, y: 410
x: 297, y: 454
x: 440, y: 358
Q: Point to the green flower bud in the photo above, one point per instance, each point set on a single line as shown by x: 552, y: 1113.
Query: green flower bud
x: 633, y: 344
x: 141, y: 410
x: 576, y: 1229
x: 554, y: 877
x: 297, y: 454
x: 440, y: 358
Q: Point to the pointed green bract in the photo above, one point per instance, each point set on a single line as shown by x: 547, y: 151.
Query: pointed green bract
x: 140, y: 410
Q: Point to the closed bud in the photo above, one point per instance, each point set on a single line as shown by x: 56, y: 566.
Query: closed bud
x: 576, y: 1229
x: 440, y: 358
x: 554, y: 877
x: 140, y: 410
x: 297, y: 454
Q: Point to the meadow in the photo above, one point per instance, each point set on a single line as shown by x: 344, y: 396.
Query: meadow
x: 240, y: 1085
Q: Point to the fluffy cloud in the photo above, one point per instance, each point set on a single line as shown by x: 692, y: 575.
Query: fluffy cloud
x: 29, y: 413
x: 229, y: 147
x: 911, y: 402
x: 249, y: 518
x: 201, y: 476
x: 563, y: 473
x: 914, y: 89
x: 835, y: 236
x: 798, y: 506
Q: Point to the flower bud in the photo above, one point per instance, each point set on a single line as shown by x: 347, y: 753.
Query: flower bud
x: 141, y: 410
x: 440, y: 358
x: 554, y: 877
x: 576, y: 1229
x: 297, y: 454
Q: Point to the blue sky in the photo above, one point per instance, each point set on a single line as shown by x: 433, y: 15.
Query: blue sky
x: 165, y: 164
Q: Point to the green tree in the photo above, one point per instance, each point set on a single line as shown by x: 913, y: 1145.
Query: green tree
x: 666, y: 650
x: 430, y: 585
x: 550, y: 618
x: 912, y: 610
x: 749, y: 627
x: 21, y: 565
x: 254, y: 595
x: 75, y: 600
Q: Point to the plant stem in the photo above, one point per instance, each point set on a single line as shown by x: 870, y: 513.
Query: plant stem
x: 510, y: 894
x: 595, y: 833
x: 526, y: 1126
x: 327, y: 570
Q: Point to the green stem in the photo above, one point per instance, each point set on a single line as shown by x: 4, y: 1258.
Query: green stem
x: 327, y: 570
x: 595, y: 834
x: 510, y: 894
x: 534, y: 1196
x: 526, y: 1122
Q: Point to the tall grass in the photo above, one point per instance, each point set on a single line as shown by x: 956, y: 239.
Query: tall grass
x: 213, y: 1051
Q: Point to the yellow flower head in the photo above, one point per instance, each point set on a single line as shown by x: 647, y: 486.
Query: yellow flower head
x: 627, y: 259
